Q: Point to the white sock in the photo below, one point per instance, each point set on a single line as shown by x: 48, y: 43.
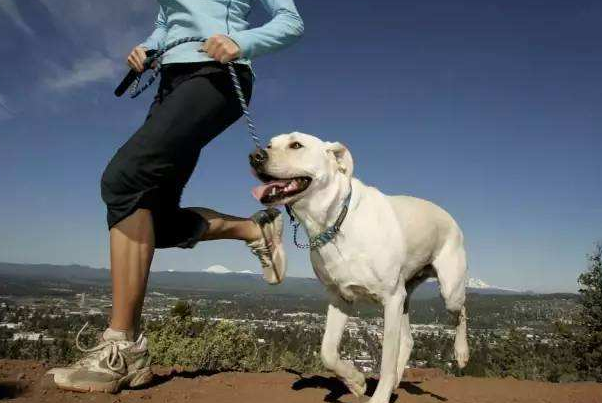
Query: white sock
x: 116, y: 335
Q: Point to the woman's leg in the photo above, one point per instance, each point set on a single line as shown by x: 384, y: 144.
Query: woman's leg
x: 132, y: 243
x: 147, y: 177
x: 223, y: 226
x: 142, y: 186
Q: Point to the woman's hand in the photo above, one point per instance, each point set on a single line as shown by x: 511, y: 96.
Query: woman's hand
x: 136, y: 58
x: 221, y: 48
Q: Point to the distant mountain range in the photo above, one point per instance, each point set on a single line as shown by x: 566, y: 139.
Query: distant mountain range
x: 15, y: 276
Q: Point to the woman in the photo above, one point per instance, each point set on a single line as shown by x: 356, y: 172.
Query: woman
x: 143, y: 183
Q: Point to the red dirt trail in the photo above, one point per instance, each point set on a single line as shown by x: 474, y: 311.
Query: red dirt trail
x: 23, y: 381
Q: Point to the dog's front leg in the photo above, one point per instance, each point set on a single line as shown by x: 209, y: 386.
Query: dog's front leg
x: 391, y: 338
x: 345, y: 370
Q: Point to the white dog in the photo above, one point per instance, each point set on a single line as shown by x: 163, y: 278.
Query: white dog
x: 384, y: 248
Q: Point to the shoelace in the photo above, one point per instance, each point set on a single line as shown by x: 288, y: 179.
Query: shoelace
x: 263, y: 253
x: 115, y: 361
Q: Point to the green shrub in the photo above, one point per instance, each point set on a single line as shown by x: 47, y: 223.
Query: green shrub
x: 588, y: 345
x: 208, y: 346
x: 224, y: 346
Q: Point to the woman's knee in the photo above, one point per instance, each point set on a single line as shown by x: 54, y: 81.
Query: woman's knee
x: 111, y: 181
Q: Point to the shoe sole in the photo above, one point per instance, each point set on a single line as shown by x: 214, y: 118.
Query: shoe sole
x: 133, y: 380
x: 269, y: 216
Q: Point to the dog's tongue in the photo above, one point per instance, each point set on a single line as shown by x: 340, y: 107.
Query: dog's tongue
x: 262, y: 190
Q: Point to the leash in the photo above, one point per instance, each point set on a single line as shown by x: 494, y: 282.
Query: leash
x: 133, y: 80
x: 323, y: 238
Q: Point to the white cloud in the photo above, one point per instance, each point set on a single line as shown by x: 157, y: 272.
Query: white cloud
x: 5, y: 112
x: 91, y: 69
x: 9, y: 7
x: 118, y: 25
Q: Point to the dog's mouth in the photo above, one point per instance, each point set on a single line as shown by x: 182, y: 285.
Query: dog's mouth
x: 275, y: 190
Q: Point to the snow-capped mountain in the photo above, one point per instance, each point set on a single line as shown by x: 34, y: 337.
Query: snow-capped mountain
x: 473, y: 285
x: 219, y: 269
x: 479, y: 284
x: 213, y: 278
x: 429, y: 289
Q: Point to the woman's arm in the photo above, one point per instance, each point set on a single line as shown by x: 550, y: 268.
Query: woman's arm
x: 282, y: 30
x: 156, y: 38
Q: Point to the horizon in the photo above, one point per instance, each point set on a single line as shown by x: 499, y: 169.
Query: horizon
x: 490, y: 110
x: 480, y: 282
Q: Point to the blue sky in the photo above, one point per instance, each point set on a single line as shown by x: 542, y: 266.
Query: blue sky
x: 491, y: 109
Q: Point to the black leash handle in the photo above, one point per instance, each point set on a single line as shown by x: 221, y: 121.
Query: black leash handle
x: 153, y: 59
x: 133, y: 75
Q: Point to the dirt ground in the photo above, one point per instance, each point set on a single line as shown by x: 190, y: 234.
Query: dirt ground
x: 24, y: 381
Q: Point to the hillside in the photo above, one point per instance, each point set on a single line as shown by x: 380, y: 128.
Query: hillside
x: 23, y: 381
x: 19, y: 278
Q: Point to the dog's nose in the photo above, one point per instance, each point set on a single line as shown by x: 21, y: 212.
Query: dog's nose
x: 258, y: 157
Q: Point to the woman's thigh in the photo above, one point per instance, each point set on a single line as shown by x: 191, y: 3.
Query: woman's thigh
x: 164, y: 151
x: 153, y: 166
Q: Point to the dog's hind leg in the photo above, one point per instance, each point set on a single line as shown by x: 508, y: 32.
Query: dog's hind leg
x: 450, y: 266
x: 405, y: 346
x: 461, y: 350
x: 407, y: 342
x: 345, y: 370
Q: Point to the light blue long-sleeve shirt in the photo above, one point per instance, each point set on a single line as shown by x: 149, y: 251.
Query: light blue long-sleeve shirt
x: 182, y: 18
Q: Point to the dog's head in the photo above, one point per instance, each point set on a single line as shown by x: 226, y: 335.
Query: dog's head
x: 295, y: 165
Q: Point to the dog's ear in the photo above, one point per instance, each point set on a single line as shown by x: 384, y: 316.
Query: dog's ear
x: 343, y: 157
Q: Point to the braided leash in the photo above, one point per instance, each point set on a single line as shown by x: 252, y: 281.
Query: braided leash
x: 243, y: 105
x: 136, y: 89
x: 157, y: 56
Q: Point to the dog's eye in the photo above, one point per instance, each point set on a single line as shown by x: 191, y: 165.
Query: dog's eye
x: 269, y: 145
x: 296, y: 145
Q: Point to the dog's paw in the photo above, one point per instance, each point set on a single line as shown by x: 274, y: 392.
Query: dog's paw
x: 462, y: 356
x: 357, y: 388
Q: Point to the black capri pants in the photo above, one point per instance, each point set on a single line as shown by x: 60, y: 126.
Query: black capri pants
x: 195, y: 103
